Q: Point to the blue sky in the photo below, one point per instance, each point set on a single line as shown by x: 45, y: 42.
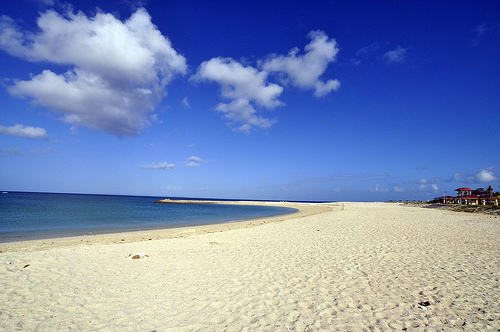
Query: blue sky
x: 303, y: 100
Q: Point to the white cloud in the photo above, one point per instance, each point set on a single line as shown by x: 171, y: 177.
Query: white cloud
x: 484, y: 31
x: 428, y: 188
x: 155, y: 118
x: 322, y: 89
x: 246, y: 87
x: 397, y: 55
x: 10, y: 151
x: 480, y: 176
x: 16, y: 152
x: 173, y: 188
x: 47, y: 2
x: 303, y: 71
x: 480, y: 29
x: 74, y: 130
x: 240, y: 82
x: 194, y: 161
x: 240, y: 111
x: 364, y: 53
x: 42, y: 151
x: 24, y: 131
x: 398, y: 189
x: 158, y: 166
x: 377, y: 189
x: 484, y: 175
x: 185, y: 102
x: 116, y: 73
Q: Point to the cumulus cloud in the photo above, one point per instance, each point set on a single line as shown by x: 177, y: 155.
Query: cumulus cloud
x: 246, y: 87
x: 24, y: 131
x: 481, y: 176
x: 239, y: 82
x: 484, y: 175
x: 397, y: 55
x: 117, y: 71
x: 158, y: 166
x: 303, y: 70
x: 240, y: 111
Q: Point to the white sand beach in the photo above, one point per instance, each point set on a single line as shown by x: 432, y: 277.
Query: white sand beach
x: 330, y: 267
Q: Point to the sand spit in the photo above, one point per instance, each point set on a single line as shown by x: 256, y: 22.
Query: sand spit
x: 352, y: 267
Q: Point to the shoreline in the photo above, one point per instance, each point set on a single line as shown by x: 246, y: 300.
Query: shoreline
x: 303, y: 209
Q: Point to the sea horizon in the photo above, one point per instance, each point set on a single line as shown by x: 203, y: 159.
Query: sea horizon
x: 189, y: 198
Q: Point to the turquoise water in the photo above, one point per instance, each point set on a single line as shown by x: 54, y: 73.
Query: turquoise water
x: 46, y: 215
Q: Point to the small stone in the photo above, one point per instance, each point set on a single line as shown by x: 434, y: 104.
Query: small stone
x: 137, y: 256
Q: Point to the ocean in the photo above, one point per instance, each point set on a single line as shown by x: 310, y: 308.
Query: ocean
x: 46, y: 215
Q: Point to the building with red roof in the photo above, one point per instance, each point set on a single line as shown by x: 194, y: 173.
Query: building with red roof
x: 465, y: 196
x: 470, y: 196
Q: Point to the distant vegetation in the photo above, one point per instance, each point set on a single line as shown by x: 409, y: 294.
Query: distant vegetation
x: 490, y: 209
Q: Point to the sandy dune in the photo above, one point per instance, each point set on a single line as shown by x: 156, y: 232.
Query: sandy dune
x: 369, y: 266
